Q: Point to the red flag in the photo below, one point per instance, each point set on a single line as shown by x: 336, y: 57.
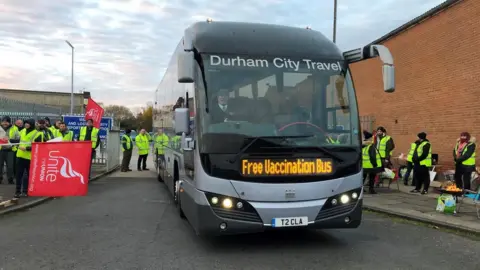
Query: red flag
x: 59, y: 169
x: 94, y: 112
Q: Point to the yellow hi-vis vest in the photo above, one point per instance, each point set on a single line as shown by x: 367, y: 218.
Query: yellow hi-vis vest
x: 94, y: 136
x: 176, y: 141
x: 366, y: 164
x: 142, y: 143
x: 128, y: 140
x: 68, y: 137
x: 330, y: 140
x: 382, y: 149
x: 55, y: 131
x: 25, y: 141
x: 410, y: 153
x: 428, y: 161
x: 161, y: 141
x: 469, y: 161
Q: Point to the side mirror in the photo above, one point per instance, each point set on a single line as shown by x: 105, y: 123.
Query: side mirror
x: 182, y: 121
x: 388, y: 78
x: 388, y: 70
x: 186, y: 67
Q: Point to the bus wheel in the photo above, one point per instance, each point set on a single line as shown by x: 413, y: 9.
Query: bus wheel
x: 177, y: 200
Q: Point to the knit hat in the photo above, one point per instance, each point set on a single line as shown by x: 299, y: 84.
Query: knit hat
x: 422, y: 135
x: 7, y: 119
x: 367, y: 135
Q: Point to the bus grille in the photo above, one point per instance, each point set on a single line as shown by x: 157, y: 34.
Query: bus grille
x: 237, y: 215
x: 335, y: 211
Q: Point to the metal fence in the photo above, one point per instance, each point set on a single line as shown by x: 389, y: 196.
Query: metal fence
x: 22, y: 110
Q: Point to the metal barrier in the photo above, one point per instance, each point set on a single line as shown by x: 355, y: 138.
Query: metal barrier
x: 113, y: 149
x: 22, y: 110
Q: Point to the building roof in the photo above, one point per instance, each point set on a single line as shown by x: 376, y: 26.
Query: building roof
x: 37, y: 92
x: 412, y: 23
x: 240, y: 38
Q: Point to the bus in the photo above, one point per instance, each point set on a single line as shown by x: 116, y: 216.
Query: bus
x: 266, y: 127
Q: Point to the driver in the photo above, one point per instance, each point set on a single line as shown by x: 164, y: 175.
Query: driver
x: 219, y: 111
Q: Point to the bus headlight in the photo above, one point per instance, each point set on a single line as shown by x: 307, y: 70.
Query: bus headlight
x: 344, y: 199
x: 227, y: 203
x: 354, y: 195
x: 214, y: 200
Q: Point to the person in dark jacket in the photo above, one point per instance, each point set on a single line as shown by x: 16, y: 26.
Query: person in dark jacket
x: 422, y: 160
x: 127, y: 147
x: 47, y: 132
x: 464, y: 156
x: 7, y: 152
x: 29, y: 135
x: 385, y: 146
x: 371, y: 162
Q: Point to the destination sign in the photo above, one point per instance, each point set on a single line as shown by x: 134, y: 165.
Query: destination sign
x: 284, y: 167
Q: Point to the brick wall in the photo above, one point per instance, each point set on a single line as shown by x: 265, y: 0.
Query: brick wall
x: 437, y: 81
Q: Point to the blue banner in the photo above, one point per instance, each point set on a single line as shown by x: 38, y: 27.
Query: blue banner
x: 74, y: 123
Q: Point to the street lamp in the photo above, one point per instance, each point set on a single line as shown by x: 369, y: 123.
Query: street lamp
x: 334, y: 21
x: 71, y: 93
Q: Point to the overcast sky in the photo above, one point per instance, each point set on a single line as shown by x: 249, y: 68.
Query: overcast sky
x: 123, y: 46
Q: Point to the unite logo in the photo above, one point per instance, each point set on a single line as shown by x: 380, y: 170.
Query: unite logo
x: 55, y: 165
x: 94, y: 114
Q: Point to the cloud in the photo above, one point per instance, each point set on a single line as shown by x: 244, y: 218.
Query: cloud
x: 122, y: 47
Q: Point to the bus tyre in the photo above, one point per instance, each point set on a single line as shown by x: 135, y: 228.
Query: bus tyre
x: 177, y: 200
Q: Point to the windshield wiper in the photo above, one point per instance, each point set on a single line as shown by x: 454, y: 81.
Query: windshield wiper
x: 245, y: 148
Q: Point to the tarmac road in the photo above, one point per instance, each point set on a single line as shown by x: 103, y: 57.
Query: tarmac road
x: 128, y: 223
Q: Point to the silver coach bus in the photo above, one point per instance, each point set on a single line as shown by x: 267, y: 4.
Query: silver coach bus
x: 267, y: 126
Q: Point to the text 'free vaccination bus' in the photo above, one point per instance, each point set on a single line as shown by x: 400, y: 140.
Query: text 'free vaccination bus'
x: 267, y: 125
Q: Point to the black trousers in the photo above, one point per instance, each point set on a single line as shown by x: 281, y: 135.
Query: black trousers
x: 371, y: 179
x: 7, y: 157
x: 127, y: 156
x: 463, y: 176
x: 408, y: 172
x: 142, y: 160
x: 421, y: 175
x: 23, y: 167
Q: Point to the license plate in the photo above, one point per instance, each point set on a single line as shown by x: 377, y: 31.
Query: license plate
x: 290, y: 222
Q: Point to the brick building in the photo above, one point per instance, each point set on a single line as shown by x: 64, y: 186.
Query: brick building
x: 437, y: 79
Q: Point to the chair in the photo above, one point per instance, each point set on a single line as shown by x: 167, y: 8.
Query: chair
x: 379, y: 179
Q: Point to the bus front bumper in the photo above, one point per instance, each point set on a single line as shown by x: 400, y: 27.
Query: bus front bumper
x: 210, y: 223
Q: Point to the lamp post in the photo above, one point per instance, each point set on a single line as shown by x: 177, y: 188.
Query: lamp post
x: 71, y: 93
x: 334, y: 21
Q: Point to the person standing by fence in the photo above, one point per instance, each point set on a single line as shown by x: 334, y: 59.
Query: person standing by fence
x: 90, y: 133
x: 28, y: 135
x: 422, y: 161
x: 7, y: 152
x: 67, y: 135
x: 142, y: 142
x: 127, y: 148
x: 19, y: 127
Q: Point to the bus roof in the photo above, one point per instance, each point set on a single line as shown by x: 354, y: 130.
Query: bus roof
x: 261, y: 40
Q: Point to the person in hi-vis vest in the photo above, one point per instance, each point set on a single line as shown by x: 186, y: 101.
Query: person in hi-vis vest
x: 64, y: 133
x: 8, y: 152
x: 413, y: 146
x: 464, y: 156
x: 90, y: 133
x: 143, y: 144
x: 422, y: 161
x: 127, y: 148
x: 385, y: 146
x: 161, y: 141
x: 371, y: 162
x: 28, y: 135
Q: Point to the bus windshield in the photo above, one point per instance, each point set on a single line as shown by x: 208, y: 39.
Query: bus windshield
x: 309, y: 100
